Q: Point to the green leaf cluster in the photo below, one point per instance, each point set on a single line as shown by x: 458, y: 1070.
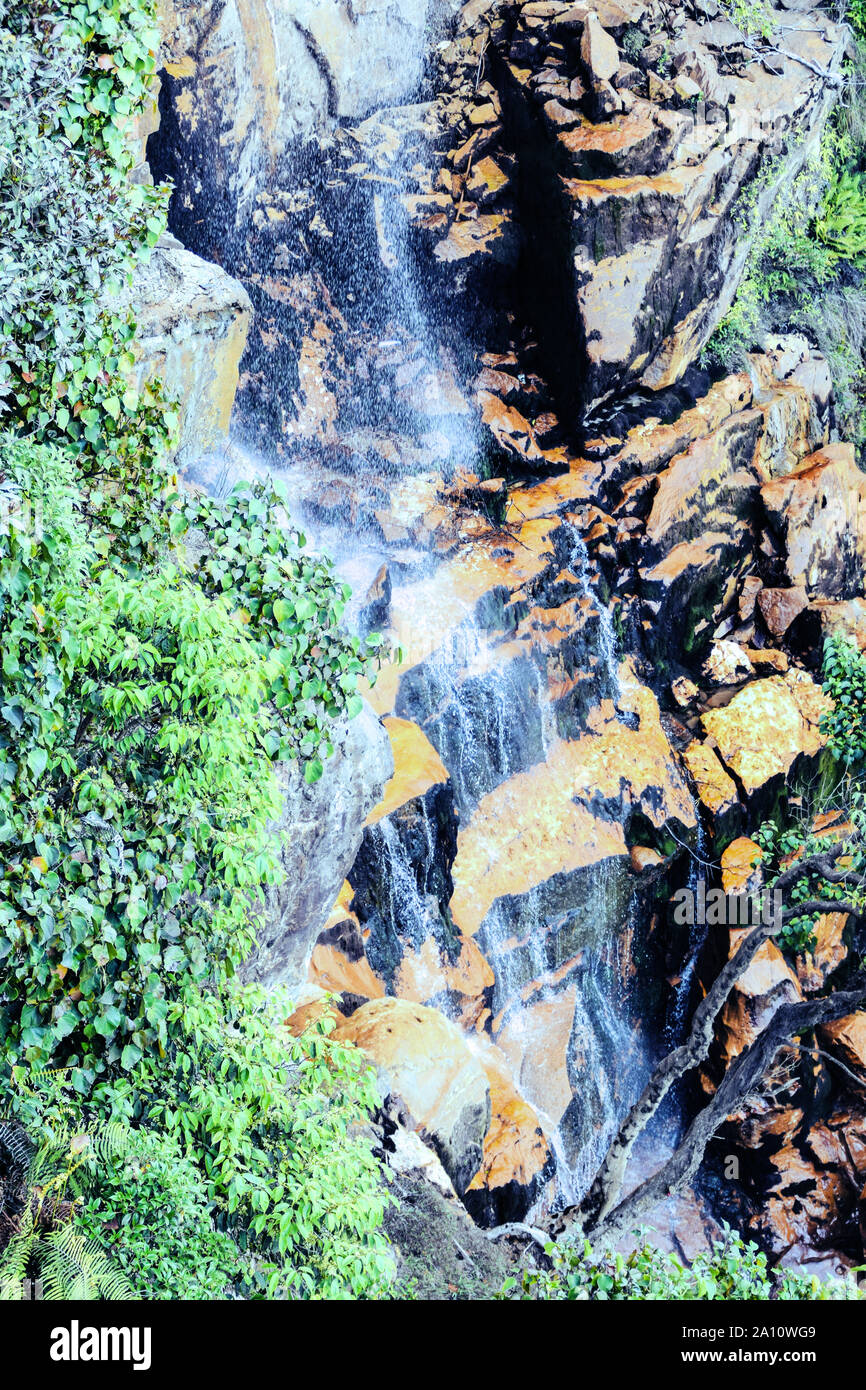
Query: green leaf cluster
x: 732, y: 1269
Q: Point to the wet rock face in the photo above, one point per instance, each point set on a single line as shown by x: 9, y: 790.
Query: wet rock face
x: 320, y: 832
x: 193, y: 321
x: 433, y: 282
x: 640, y: 175
x: 244, y: 79
x: 425, y: 1064
x: 402, y: 881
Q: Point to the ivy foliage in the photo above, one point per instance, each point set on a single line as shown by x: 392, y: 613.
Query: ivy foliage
x: 72, y: 224
x: 136, y: 788
x: 293, y: 605
x: 845, y: 682
x: 159, y: 653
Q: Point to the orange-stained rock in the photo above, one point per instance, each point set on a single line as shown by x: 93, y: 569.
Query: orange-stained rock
x: 847, y: 616
x: 814, y: 967
x: 764, y: 1121
x: 534, y: 1038
x: 475, y: 237
x: 619, y: 137
x: 417, y: 767
x: 684, y: 691
x: 741, y: 866
x: 807, y: 1203
x: 779, y: 607
x: 716, y: 789
x: 511, y: 430
x: 846, y: 1039
x: 470, y: 975
x: 517, y: 1155
x: 423, y: 1060
x: 338, y: 964
x: 538, y: 831
x: 767, y: 726
x: 833, y: 825
x: 643, y: 858
x: 819, y: 511
x: 767, y: 984
x: 426, y: 973
x: 319, y: 1008
x: 419, y: 974
x: 538, y: 824
x: 767, y: 659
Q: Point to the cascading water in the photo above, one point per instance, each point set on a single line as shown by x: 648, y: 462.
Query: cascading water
x: 682, y: 996
x: 481, y: 696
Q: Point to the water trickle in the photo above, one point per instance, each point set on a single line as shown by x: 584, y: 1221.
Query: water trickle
x: 678, y: 1017
x: 605, y: 643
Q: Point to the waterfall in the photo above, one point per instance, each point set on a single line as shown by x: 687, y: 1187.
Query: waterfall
x: 478, y: 691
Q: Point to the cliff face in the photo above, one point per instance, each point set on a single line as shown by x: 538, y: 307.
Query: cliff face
x: 249, y: 78
x: 484, y: 263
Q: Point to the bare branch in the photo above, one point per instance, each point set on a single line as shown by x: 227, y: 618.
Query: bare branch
x: 606, y: 1188
x: 746, y: 1070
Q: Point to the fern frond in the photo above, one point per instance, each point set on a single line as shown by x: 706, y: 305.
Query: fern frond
x: 74, y: 1268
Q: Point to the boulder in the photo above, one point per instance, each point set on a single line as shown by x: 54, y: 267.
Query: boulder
x: 320, y: 832
x: 716, y: 789
x: 741, y: 866
x: 818, y: 511
x: 779, y: 607
x: 424, y: 1062
x: 193, y: 321
x: 727, y: 664
x: 767, y: 727
x: 846, y: 1039
x: 598, y: 50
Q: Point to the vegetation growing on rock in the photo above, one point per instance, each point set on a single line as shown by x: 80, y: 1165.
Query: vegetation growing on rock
x: 145, y: 700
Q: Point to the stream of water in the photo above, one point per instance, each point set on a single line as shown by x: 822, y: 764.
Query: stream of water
x: 488, y: 717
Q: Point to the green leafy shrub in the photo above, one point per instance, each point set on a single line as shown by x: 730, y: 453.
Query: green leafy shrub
x: 135, y: 788
x: 72, y: 225
x: 752, y: 16
x: 147, y: 688
x: 845, y: 682
x: 275, y: 1123
x: 152, y: 1213
x: 293, y: 605
x: 732, y: 1270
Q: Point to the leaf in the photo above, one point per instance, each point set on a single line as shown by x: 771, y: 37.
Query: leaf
x: 37, y: 761
x: 130, y: 1056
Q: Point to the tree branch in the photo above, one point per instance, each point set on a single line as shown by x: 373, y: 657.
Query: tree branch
x: 742, y: 1075
x: 606, y: 1188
